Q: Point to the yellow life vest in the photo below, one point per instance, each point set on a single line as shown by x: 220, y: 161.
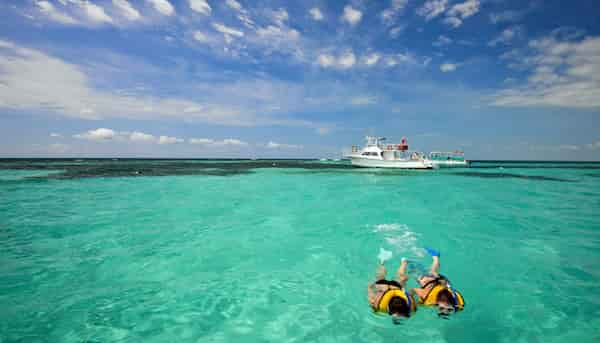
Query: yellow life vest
x: 431, y: 298
x: 389, y: 294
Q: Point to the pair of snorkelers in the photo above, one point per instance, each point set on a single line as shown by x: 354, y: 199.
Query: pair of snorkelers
x: 392, y: 297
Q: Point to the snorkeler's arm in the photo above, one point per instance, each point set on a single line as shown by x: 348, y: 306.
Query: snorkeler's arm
x: 421, y: 293
x: 401, y: 273
x: 371, y: 295
x: 435, y: 265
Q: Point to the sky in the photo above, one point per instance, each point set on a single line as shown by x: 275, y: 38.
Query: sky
x: 499, y: 79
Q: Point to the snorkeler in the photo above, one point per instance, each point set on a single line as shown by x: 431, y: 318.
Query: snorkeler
x: 436, y: 289
x: 390, y: 296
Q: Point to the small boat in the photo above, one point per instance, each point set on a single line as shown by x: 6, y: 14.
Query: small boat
x: 376, y: 154
x: 448, y: 159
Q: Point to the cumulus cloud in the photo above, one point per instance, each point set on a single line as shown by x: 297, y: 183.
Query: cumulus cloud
x: 316, y: 14
x: 432, y: 9
x: 448, y: 67
x: 233, y: 4
x: 55, y: 15
x: 274, y: 145
x: 506, y: 36
x: 126, y: 10
x: 564, y: 72
x: 98, y: 135
x: 389, y: 14
x: 95, y: 12
x: 506, y: 16
x: 396, y: 30
x: 137, y: 136
x: 594, y: 145
x: 351, y: 15
x: 163, y: 6
x: 217, y: 143
x: 199, y: 36
x: 169, y: 140
x: 343, y: 61
x: 200, y: 6
x: 465, y: 9
x: 228, y: 32
x: 32, y: 80
x: 363, y: 100
x: 347, y: 60
x: 442, y: 41
x: 453, y: 21
x: 457, y: 13
x: 372, y: 59
x: 56, y: 135
x: 58, y: 148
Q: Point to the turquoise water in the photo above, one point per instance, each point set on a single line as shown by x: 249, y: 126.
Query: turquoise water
x: 285, y: 254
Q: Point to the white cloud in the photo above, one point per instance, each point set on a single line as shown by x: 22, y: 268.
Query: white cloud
x: 56, y: 135
x: 323, y: 130
x: 201, y: 141
x: 95, y: 12
x: 432, y: 8
x: 506, y: 36
x: 441, y: 41
x: 169, y: 140
x: 48, y: 9
x: 276, y: 32
x: 347, y: 60
x: 137, y: 136
x: 594, y: 145
x: 388, y: 15
x: 326, y: 60
x: 280, y: 16
x: 98, y: 135
x: 126, y: 9
x: 58, y: 148
x: 351, y: 15
x: 32, y: 80
x: 200, y: 6
x: 396, y: 30
x: 163, y: 6
x: 372, y: 59
x: 234, y: 4
x: 316, y: 14
x: 233, y: 142
x: 506, y: 16
x: 227, y: 31
x: 343, y: 61
x: 453, y: 21
x: 363, y: 100
x: 563, y: 73
x: 199, y: 36
x: 465, y: 9
x: 448, y: 67
x: 274, y: 145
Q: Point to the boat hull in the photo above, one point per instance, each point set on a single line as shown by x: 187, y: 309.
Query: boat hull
x: 396, y: 164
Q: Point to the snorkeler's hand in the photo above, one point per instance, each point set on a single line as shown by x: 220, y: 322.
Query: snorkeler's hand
x: 432, y: 252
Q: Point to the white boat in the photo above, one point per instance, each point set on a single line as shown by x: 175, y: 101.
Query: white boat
x: 448, y: 159
x: 378, y: 155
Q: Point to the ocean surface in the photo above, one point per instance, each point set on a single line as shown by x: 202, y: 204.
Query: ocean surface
x: 283, y: 251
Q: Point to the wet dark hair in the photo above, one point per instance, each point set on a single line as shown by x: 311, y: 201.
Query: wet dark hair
x: 398, y: 306
x: 445, y: 297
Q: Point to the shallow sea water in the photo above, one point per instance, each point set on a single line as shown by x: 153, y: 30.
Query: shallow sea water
x: 284, y: 254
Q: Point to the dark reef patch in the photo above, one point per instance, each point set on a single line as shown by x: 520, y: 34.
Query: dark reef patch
x: 510, y: 175
x: 72, y: 169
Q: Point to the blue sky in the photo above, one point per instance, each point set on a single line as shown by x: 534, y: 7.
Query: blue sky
x: 234, y: 78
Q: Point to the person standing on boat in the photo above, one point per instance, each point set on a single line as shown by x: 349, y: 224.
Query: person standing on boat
x: 391, y: 296
x: 436, y: 289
